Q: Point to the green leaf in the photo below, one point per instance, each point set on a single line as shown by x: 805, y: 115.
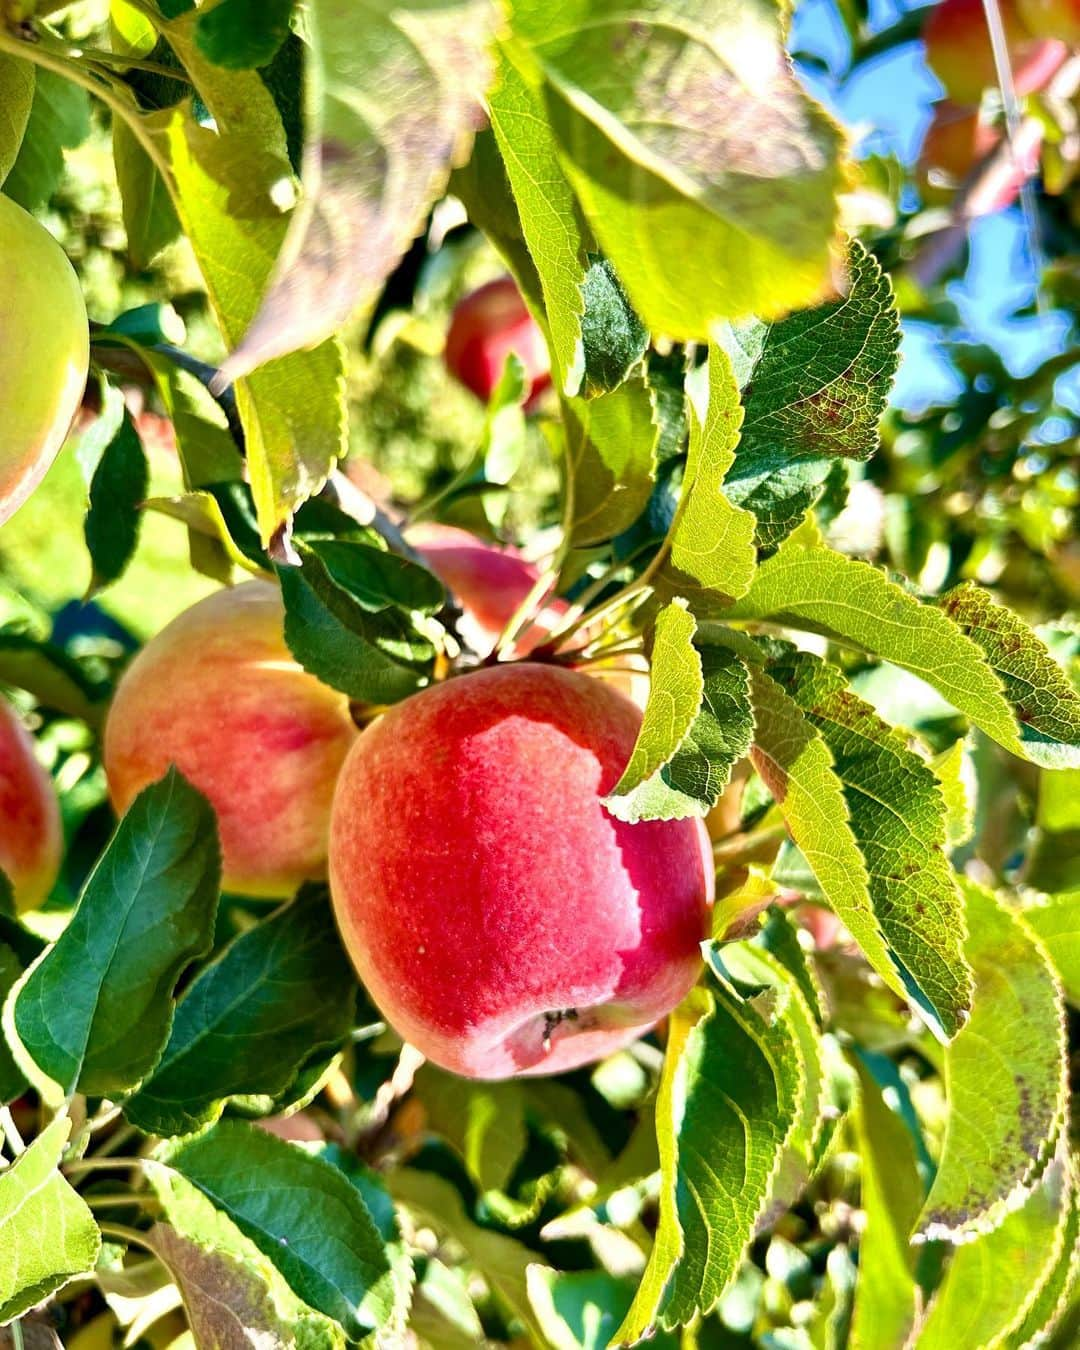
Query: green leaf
x: 892, y: 1195
x: 897, y: 815
x: 485, y: 1122
x: 59, y: 120
x: 373, y: 657
x: 241, y: 34
x: 816, y: 385
x: 233, y: 1294
x: 1056, y: 921
x: 704, y: 217
x: 16, y: 100
x: 299, y: 1211
x: 1043, y: 698
x: 150, y: 219
x: 93, y: 1012
x: 1005, y: 1076
x: 228, y: 185
x: 547, y: 218
x: 614, y: 338
x: 1043, y: 1312
x: 281, y: 991
x: 47, y: 1234
x: 676, y: 688
x: 813, y: 588
x: 12, y: 1079
x: 797, y: 767
x: 391, y: 99
x: 502, y: 1261
x: 582, y: 1309
x: 610, y: 461
x: 711, y: 542
x: 694, y: 765
x: 730, y: 1096
x: 992, y: 1284
x: 117, y: 490
x: 955, y: 777
x: 377, y: 579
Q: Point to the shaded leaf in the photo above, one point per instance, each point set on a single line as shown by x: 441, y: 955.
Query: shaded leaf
x: 299, y: 1211
x: 55, y: 679
x: 374, y: 657
x: 280, y: 991
x: 150, y: 220
x: 704, y: 217
x: 816, y: 384
x: 1005, y: 1076
x: 94, y: 1011
x: 47, y: 1233
x: 391, y: 98
x: 240, y: 34
x: 581, y: 1309
x: 59, y: 120
x: 729, y: 1098
x: 611, y: 459
x: 614, y: 338
x: 117, y: 490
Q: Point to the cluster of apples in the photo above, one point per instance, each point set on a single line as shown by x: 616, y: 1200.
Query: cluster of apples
x: 502, y: 919
x: 964, y: 130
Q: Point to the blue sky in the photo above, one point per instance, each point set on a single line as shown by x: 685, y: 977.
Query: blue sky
x: 887, y: 103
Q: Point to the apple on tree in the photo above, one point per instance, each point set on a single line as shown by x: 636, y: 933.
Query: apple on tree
x: 31, y: 837
x: 485, y: 327
x: 44, y: 352
x: 960, y: 53
x: 1052, y: 19
x: 501, y: 918
x: 218, y: 693
x: 490, y: 581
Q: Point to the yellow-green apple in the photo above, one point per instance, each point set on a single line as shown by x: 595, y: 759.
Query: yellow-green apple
x: 502, y: 919
x: 485, y: 327
x: 959, y: 50
x: 489, y: 581
x: 30, y: 835
x: 44, y: 352
x: 218, y: 694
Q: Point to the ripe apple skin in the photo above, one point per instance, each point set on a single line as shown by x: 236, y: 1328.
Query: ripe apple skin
x: 501, y: 918
x: 489, y: 581
x: 955, y: 142
x: 959, y: 51
x: 31, y: 838
x: 44, y: 352
x: 485, y: 327
x: 218, y: 694
x: 1052, y: 19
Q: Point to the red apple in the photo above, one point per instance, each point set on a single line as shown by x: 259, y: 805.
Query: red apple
x: 31, y: 838
x: 485, y: 328
x: 218, y: 693
x: 501, y: 918
x: 956, y: 140
x: 959, y: 51
x: 1052, y: 19
x: 489, y: 581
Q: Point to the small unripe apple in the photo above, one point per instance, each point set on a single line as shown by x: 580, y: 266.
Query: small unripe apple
x: 489, y: 581
x: 218, y: 693
x: 485, y: 327
x: 1052, y: 19
x: 959, y: 51
x: 31, y: 838
x: 502, y: 919
x: 44, y: 353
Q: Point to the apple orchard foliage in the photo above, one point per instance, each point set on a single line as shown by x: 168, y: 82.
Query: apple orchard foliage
x: 880, y: 1012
